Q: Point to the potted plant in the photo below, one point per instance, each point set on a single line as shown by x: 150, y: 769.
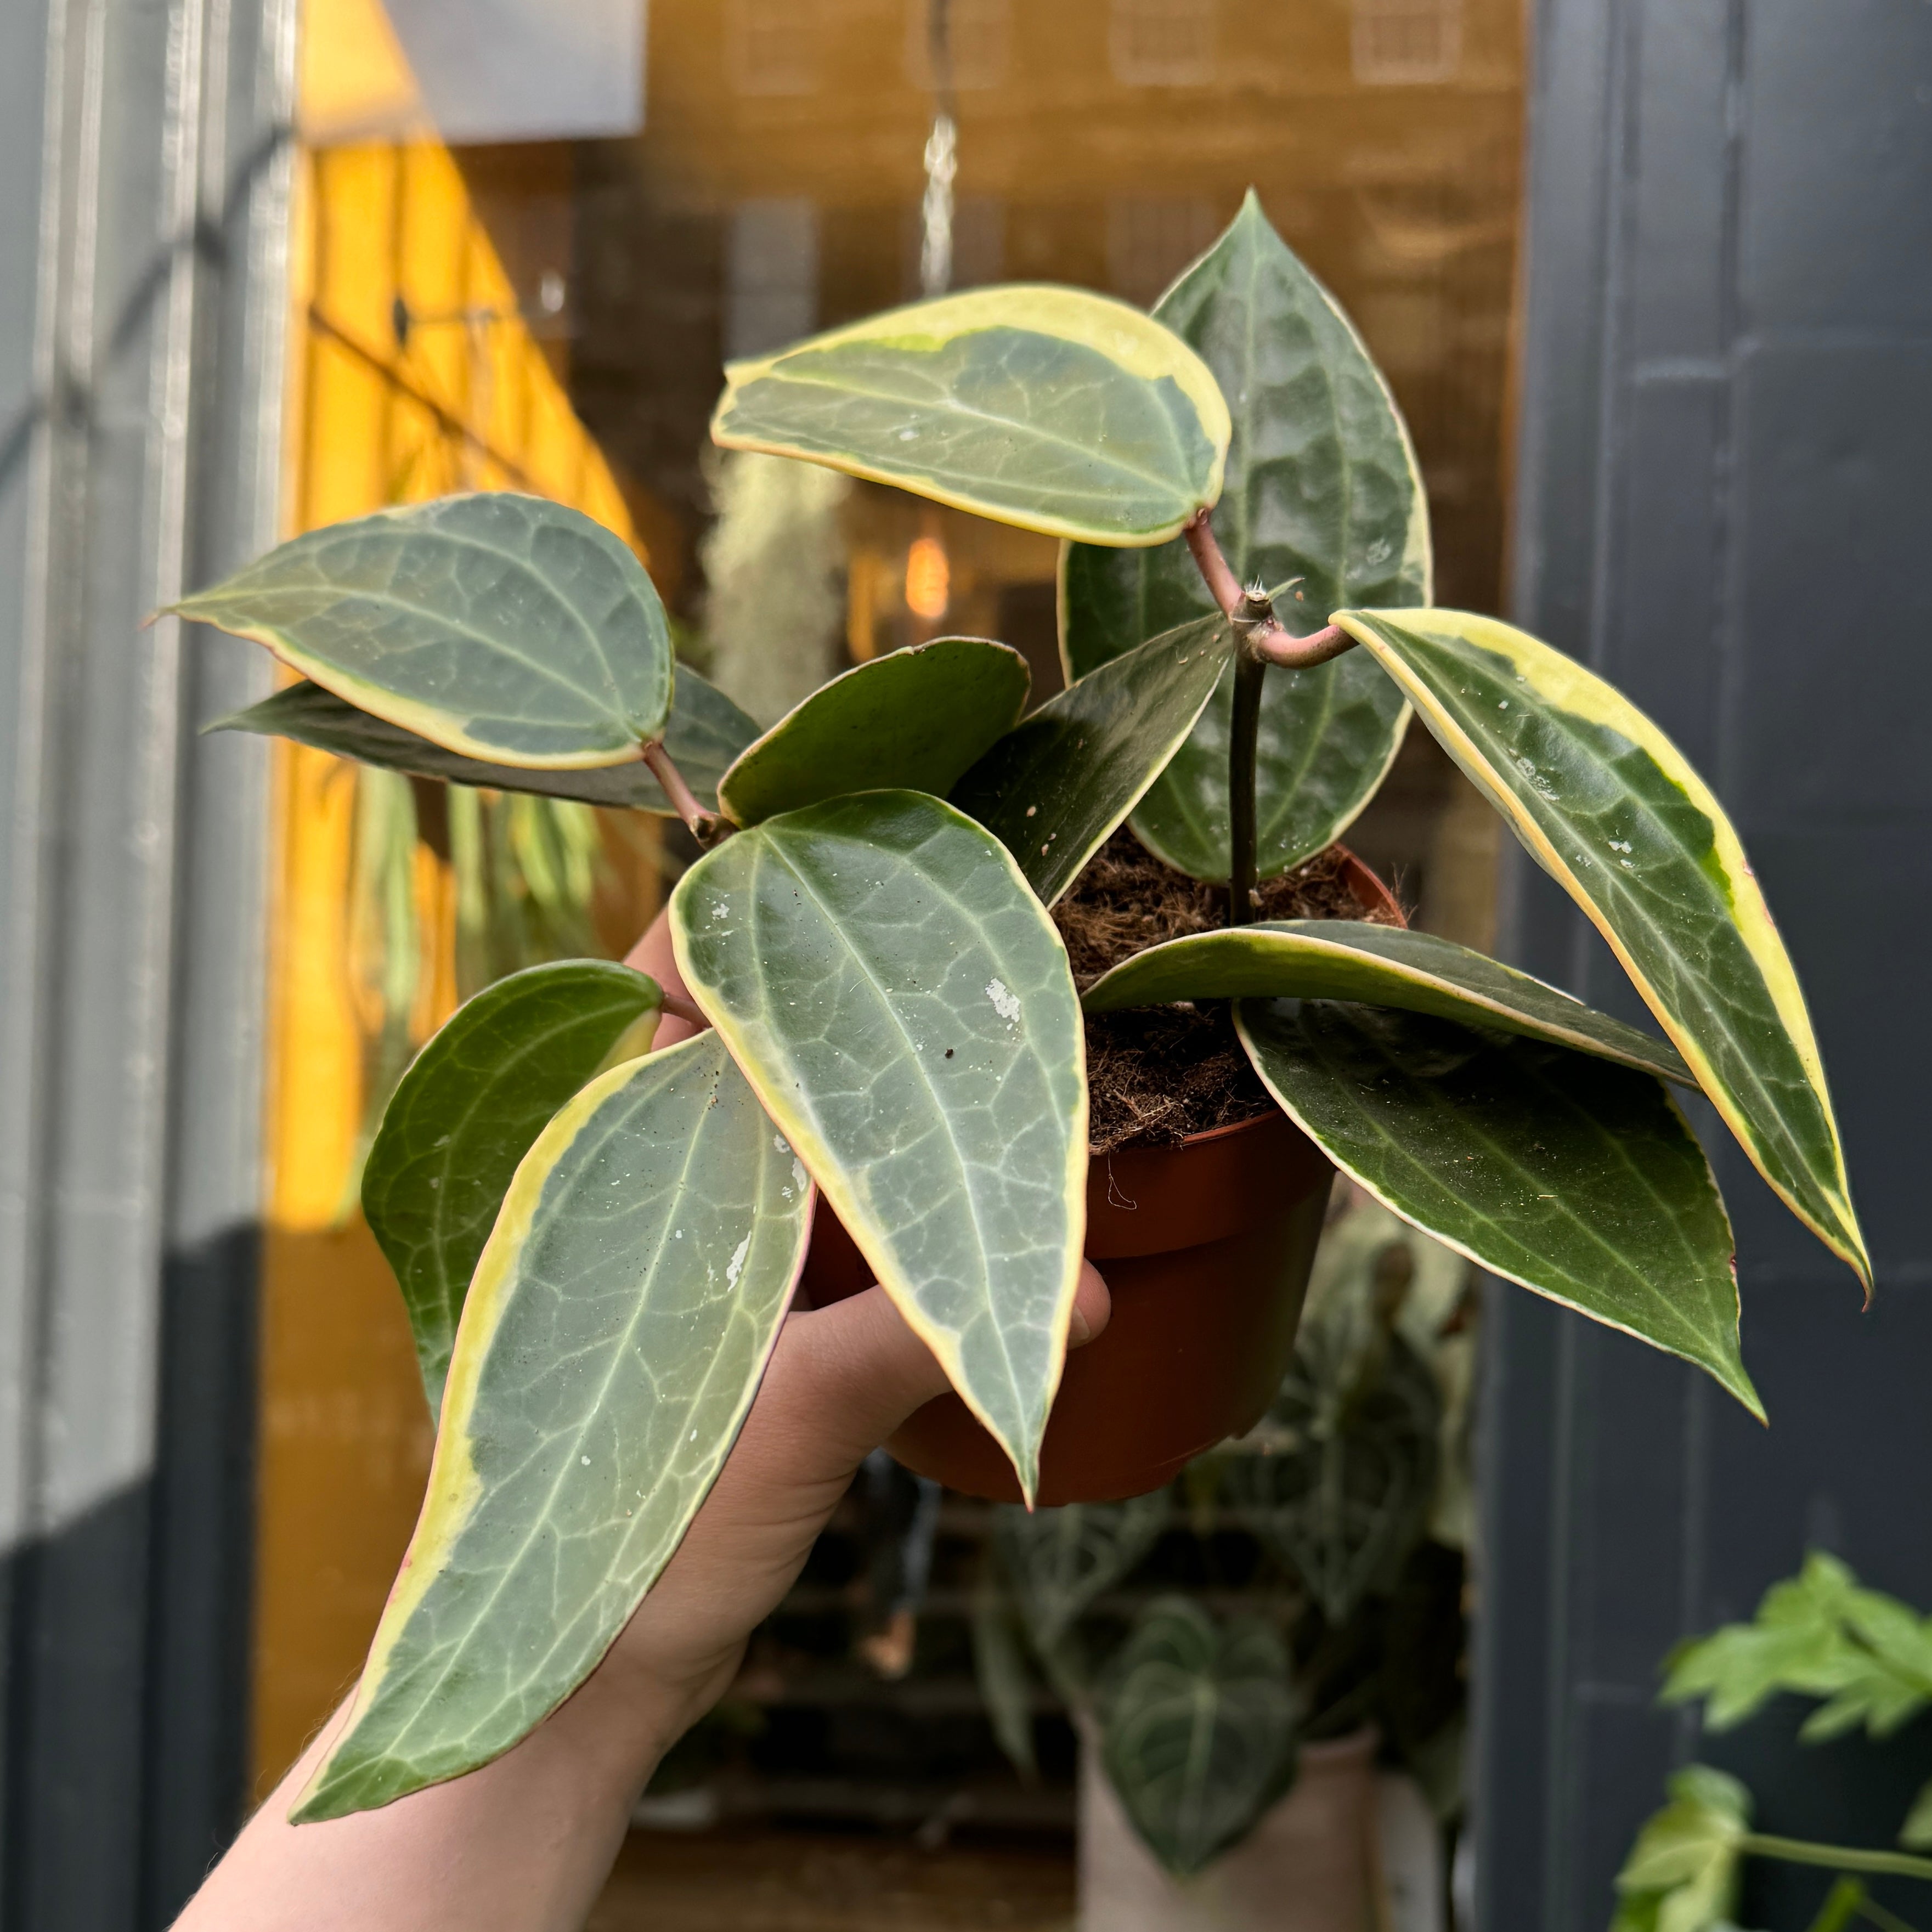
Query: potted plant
x: 893, y: 1020
x: 1241, y: 1651
x: 1820, y: 1634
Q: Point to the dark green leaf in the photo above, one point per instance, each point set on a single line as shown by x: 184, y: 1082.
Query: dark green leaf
x: 1610, y: 808
x: 1376, y: 965
x: 614, y: 1338
x: 1344, y: 1486
x: 1323, y: 488
x: 1060, y: 1560
x: 509, y: 628
x: 914, y: 719
x: 1055, y: 788
x: 1199, y: 1730
x: 1049, y: 407
x: 703, y: 733
x: 465, y: 1115
x: 903, y: 1005
x: 1571, y: 1174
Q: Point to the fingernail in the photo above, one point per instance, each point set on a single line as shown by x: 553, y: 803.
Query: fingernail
x: 1078, y: 1329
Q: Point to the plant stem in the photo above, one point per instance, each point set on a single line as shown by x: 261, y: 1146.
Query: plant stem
x: 1835, y: 1858
x: 707, y: 827
x: 1870, y: 1909
x: 1244, y: 729
x: 1265, y: 636
x: 681, y: 1008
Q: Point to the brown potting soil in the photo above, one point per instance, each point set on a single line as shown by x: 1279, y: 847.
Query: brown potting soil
x: 1158, y: 1074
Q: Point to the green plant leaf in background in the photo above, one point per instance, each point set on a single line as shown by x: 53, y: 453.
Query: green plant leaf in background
x: 1059, y: 1560
x: 1376, y: 965
x: 1053, y: 789
x: 1818, y: 1634
x: 903, y: 1006
x: 1052, y: 408
x: 465, y: 1115
x: 1200, y: 1729
x: 507, y: 628
x: 1350, y: 1473
x: 1682, y: 1875
x: 1575, y: 1176
x: 703, y: 733
x: 913, y: 719
x: 614, y: 1337
x: 1610, y: 808
x: 1323, y: 497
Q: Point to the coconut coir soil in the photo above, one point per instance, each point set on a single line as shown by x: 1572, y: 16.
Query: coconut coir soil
x: 1160, y: 1073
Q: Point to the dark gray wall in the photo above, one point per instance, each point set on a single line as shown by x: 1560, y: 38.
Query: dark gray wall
x: 144, y: 165
x: 1725, y: 505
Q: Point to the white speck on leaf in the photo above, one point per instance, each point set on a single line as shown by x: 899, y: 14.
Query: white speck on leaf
x: 736, y: 1266
x: 1620, y: 845
x: 798, y: 1176
x: 1005, y: 1003
x: 585, y: 1460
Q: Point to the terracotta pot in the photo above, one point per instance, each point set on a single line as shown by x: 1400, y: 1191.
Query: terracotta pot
x: 1206, y: 1248
x: 1309, y: 1865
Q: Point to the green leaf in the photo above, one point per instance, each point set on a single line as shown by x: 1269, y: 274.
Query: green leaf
x: 1915, y: 1833
x: 507, y: 628
x: 1818, y: 1634
x: 465, y: 1115
x: 1052, y: 408
x: 1376, y: 965
x: 1004, y: 1683
x: 1199, y: 1730
x: 1059, y: 1560
x: 1684, y: 1866
x: 614, y: 1337
x: 1053, y: 789
x: 1608, y: 806
x: 902, y: 1004
x: 1344, y: 1488
x: 1323, y: 495
x: 1569, y: 1173
x: 703, y: 733
x: 915, y: 718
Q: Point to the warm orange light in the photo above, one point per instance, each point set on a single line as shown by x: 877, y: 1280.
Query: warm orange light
x: 928, y: 579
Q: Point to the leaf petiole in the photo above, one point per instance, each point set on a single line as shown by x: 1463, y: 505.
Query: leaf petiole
x: 707, y: 827
x: 1836, y: 1858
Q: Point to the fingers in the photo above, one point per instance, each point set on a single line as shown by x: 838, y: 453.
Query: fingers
x: 858, y: 1371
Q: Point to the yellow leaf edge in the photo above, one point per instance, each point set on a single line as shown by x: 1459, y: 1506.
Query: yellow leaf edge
x: 454, y: 1487
x: 853, y: 1211
x: 1563, y: 682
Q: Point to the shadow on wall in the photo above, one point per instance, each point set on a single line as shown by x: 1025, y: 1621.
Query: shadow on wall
x: 127, y: 1664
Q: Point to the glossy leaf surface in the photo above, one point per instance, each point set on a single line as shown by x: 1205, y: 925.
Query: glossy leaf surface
x: 914, y: 719
x: 703, y: 733
x: 1199, y: 1730
x: 614, y: 1336
x: 465, y: 1115
x: 1322, y: 486
x: 1569, y: 1173
x: 1610, y: 808
x: 1052, y: 408
x: 506, y: 628
x: 1377, y: 965
x: 1059, y: 1560
x: 1053, y: 791
x: 903, y: 1006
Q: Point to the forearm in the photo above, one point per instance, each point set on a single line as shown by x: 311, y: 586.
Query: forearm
x: 521, y: 1846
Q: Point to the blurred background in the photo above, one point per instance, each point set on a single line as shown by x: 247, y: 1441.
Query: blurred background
x: 1650, y: 281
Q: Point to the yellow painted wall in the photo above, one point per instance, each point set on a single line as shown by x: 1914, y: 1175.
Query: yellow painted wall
x: 469, y: 401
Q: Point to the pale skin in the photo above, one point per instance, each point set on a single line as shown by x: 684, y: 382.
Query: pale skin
x: 524, y: 1844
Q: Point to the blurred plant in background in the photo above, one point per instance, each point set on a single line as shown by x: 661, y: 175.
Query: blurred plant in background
x: 1303, y: 1583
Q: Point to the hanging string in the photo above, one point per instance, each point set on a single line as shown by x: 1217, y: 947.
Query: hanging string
x: 942, y: 159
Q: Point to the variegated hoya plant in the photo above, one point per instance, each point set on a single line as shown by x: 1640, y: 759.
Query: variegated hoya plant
x: 596, y: 1258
